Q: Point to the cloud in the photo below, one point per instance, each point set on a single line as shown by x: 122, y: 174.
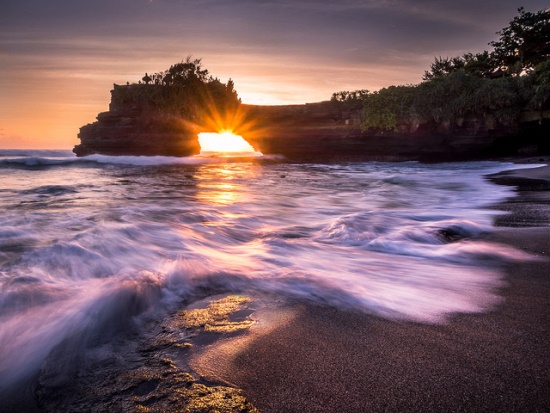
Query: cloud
x: 61, y: 57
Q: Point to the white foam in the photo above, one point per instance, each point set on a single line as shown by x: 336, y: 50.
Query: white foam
x: 204, y: 158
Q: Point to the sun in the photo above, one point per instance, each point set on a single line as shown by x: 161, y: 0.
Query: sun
x: 225, y: 143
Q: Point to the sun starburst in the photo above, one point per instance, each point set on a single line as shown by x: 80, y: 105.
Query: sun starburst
x: 225, y: 143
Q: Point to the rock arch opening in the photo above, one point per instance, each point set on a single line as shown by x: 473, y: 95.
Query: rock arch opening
x: 225, y: 144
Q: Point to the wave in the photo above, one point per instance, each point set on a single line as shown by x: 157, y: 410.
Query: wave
x: 60, y: 158
x: 73, y: 315
x: 85, y: 291
x: 443, y: 240
x: 104, y: 252
x: 36, y: 153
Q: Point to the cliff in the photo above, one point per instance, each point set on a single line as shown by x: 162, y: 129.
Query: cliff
x: 135, y: 133
x: 324, y: 131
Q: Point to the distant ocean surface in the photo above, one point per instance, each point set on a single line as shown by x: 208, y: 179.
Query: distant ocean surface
x: 89, y: 244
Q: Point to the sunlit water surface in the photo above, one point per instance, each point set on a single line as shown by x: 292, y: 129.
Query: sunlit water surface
x: 89, y: 245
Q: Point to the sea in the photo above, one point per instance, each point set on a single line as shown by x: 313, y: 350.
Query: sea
x: 90, y: 244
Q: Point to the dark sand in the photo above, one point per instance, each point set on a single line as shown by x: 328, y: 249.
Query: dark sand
x: 319, y: 359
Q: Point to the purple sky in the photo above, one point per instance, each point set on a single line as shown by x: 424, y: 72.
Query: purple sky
x: 59, y: 58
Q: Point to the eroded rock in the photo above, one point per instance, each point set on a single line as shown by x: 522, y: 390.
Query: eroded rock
x: 148, y: 374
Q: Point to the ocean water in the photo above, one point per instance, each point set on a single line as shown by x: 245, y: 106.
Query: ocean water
x: 91, y: 245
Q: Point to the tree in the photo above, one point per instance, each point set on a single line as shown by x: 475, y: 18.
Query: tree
x: 230, y: 86
x: 147, y: 79
x: 346, y: 96
x: 388, y: 108
x: 525, y: 43
x: 442, y: 67
x: 186, y: 72
x: 479, y: 64
x: 473, y: 85
x: 346, y: 100
x: 541, y: 87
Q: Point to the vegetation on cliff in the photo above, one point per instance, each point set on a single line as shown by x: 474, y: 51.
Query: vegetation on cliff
x: 512, y: 78
x: 185, y: 90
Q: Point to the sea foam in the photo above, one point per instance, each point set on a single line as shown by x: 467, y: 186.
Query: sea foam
x: 89, y: 253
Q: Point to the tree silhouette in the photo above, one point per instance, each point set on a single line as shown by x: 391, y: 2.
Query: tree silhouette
x: 147, y: 79
x: 525, y: 43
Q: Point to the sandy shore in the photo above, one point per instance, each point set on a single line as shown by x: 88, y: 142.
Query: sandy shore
x: 322, y: 359
x: 305, y: 358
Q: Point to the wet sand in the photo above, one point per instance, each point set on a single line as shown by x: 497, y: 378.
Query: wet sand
x: 319, y: 359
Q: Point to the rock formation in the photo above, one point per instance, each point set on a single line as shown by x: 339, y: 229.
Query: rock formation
x: 323, y: 131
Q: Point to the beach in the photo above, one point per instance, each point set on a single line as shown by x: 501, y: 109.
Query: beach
x: 320, y: 359
x: 359, y: 287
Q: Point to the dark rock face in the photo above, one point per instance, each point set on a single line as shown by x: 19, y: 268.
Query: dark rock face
x: 134, y: 132
x: 322, y: 131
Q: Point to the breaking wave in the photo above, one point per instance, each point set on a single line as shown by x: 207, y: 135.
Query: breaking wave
x: 62, y: 158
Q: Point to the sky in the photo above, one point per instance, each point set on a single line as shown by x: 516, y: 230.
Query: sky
x: 60, y: 58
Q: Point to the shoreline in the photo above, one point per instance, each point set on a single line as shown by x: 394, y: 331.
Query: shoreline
x: 325, y: 360
x: 312, y: 358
